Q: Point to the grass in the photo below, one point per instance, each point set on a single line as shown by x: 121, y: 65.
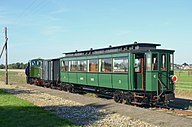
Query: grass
x: 15, y: 112
x: 13, y: 77
x: 184, y: 80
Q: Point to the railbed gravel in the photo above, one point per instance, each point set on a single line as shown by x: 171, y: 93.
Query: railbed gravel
x: 80, y: 114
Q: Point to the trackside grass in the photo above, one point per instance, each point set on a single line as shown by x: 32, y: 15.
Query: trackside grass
x: 184, y: 80
x: 14, y: 77
x: 15, y: 112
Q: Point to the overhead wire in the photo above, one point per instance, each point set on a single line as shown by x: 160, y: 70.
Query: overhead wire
x: 33, y: 8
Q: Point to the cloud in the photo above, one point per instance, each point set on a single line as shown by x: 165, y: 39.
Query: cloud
x: 59, y: 11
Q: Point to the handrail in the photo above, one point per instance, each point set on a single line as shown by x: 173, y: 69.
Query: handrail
x: 161, y: 87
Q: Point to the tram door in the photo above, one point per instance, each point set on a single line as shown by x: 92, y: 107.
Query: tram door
x: 139, y: 83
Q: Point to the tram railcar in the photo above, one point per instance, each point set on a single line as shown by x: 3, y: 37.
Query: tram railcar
x: 34, y: 71
x: 44, y: 72
x: 137, y: 73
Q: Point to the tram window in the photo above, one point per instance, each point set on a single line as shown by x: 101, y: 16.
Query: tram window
x: 82, y: 65
x: 106, y: 65
x: 93, y: 65
x: 33, y: 63
x: 148, y: 61
x: 163, y: 61
x: 65, y: 65
x: 36, y: 63
x: 154, y: 62
x: 171, y: 62
x: 137, y: 65
x: 74, y: 65
x: 120, y: 64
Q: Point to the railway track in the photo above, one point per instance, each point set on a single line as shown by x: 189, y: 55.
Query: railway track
x: 160, y: 107
x: 174, y: 110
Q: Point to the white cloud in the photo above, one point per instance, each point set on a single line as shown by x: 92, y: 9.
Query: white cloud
x: 59, y: 11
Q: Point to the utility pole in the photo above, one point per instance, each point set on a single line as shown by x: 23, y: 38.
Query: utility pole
x: 6, y: 58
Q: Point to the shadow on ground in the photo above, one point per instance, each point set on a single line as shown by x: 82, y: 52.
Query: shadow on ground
x: 181, y: 103
x: 78, y: 114
x: 33, y: 116
x: 18, y: 91
x: 29, y: 116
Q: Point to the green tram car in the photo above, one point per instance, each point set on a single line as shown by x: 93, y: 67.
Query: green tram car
x: 137, y: 73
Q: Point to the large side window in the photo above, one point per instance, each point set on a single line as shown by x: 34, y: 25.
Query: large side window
x: 93, y: 65
x: 163, y: 62
x: 82, y: 65
x: 65, y: 65
x: 120, y: 64
x: 74, y: 65
x: 106, y: 65
x: 171, y: 62
x: 154, y: 62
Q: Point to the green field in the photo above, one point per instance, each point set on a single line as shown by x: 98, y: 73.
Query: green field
x: 184, y: 80
x: 14, y: 77
x: 15, y: 112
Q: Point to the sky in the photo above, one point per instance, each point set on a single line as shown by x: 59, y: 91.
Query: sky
x: 48, y: 28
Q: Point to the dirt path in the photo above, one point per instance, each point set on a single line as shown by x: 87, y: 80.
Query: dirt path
x: 159, y: 118
x: 14, y: 70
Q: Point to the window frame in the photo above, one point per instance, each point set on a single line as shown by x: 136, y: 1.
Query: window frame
x: 163, y: 65
x: 63, y: 67
x: 171, y: 61
x: 155, y: 65
x: 100, y: 65
x: 97, y: 63
x: 120, y: 58
x: 71, y: 65
x: 79, y: 64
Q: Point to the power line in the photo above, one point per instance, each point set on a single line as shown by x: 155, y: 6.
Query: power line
x: 32, y: 9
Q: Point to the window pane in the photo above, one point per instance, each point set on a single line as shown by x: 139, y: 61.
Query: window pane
x: 120, y: 64
x: 137, y: 65
x: 93, y: 65
x: 82, y: 65
x: 148, y: 61
x: 163, y: 61
x: 74, y: 65
x: 154, y: 62
x: 106, y: 65
x: 171, y: 62
x: 65, y: 65
x: 36, y: 63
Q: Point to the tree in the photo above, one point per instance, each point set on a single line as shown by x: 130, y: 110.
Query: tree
x: 2, y: 66
x: 185, y: 64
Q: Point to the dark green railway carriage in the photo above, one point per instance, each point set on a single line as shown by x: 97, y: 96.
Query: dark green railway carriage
x: 138, y: 72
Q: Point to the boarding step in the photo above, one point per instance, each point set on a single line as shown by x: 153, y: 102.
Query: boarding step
x: 137, y: 103
x: 139, y: 96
